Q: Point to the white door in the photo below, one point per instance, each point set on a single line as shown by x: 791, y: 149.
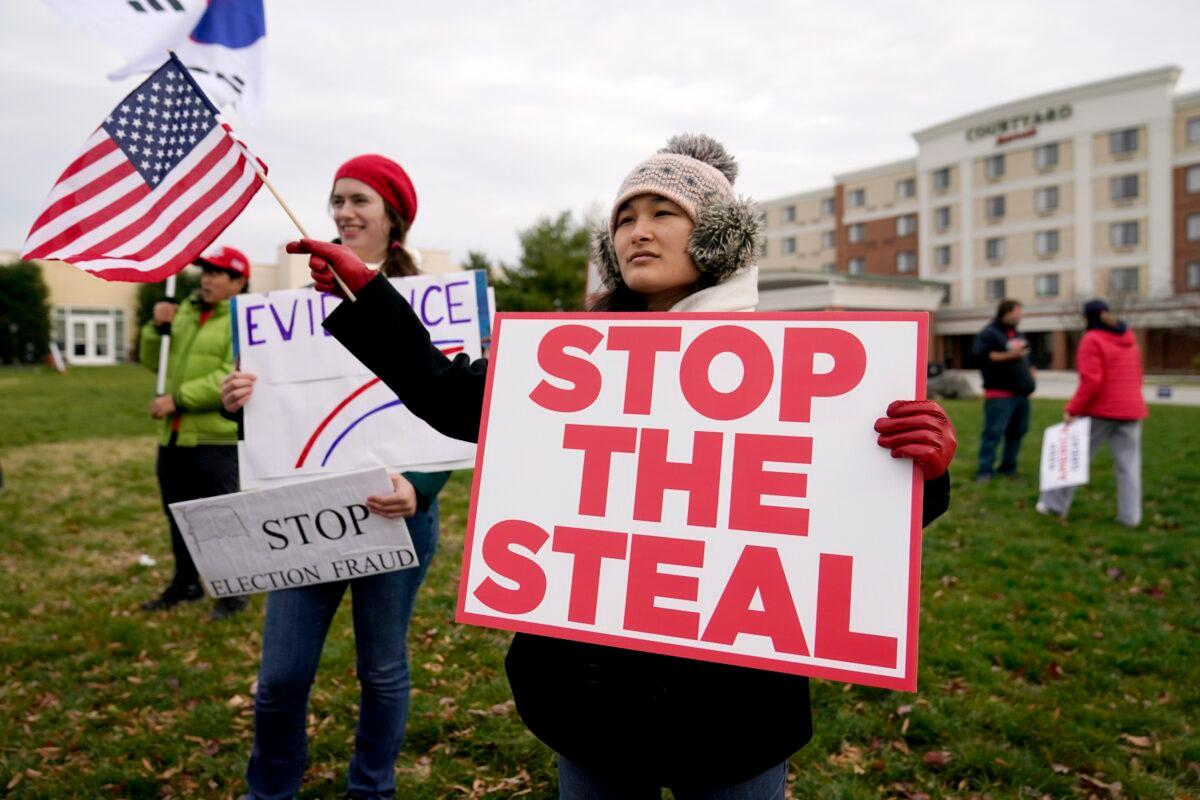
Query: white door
x: 90, y: 340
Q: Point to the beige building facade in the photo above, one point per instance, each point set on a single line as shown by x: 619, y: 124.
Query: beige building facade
x: 1089, y: 191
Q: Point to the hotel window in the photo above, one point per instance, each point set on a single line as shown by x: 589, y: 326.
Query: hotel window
x: 994, y: 289
x: 1125, y: 141
x: 1045, y: 156
x: 829, y: 266
x: 906, y: 225
x: 856, y: 233
x: 828, y: 239
x: 994, y: 248
x: 906, y: 261
x: 945, y: 294
x: 856, y: 198
x: 1193, y: 179
x: 1193, y: 275
x: 789, y: 245
x: 789, y: 213
x: 1046, y: 242
x: 1123, y: 187
x: 1045, y: 199
x: 993, y: 167
x: 1193, y: 227
x: 1125, y: 234
x: 1046, y: 285
x: 857, y: 266
x: 941, y: 255
x: 993, y: 207
x: 1193, y: 130
x: 906, y: 188
x: 941, y: 178
x: 941, y: 217
x: 1123, y: 280
x: 826, y: 206
x: 762, y: 249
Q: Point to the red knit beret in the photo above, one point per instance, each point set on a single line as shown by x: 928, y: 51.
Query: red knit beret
x: 386, y: 177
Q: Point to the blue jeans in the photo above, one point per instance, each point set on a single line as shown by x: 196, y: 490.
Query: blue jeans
x: 1004, y: 418
x: 293, y: 635
x: 579, y: 783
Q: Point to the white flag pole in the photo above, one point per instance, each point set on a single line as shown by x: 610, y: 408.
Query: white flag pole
x: 164, y: 350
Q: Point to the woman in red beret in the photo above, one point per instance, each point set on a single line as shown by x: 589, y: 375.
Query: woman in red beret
x: 373, y: 204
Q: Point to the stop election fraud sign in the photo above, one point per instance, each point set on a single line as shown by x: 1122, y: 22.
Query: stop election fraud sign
x: 702, y: 485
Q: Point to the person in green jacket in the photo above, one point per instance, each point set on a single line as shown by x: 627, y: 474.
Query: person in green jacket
x: 197, y: 453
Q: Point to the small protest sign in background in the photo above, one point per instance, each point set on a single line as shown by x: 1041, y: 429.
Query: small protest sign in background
x: 316, y: 410
x: 702, y: 485
x: 1065, y: 454
x: 293, y: 535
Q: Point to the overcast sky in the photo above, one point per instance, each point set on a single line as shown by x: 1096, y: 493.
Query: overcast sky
x: 504, y: 112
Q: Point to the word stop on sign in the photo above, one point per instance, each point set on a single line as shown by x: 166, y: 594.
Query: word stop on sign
x: 702, y: 485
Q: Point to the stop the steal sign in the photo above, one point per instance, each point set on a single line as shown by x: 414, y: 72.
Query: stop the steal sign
x: 702, y: 485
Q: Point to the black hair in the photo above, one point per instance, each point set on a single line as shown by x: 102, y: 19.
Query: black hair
x: 1006, y: 306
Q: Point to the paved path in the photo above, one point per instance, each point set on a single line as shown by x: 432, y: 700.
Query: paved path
x: 1061, y: 385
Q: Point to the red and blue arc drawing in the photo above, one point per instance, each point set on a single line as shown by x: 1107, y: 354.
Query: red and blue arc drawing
x: 448, y: 347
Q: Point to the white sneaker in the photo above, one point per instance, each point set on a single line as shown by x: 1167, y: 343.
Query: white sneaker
x: 1042, y: 508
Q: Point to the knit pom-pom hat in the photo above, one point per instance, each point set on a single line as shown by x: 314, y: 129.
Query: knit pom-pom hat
x: 696, y: 173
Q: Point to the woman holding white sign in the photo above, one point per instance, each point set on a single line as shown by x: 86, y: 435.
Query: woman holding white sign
x: 373, y: 203
x: 625, y: 723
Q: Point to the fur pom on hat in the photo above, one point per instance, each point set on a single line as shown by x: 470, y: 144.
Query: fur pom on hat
x: 696, y: 173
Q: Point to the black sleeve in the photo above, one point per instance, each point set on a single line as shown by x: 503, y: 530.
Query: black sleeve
x: 937, y: 498
x: 988, y: 342
x: 382, y: 331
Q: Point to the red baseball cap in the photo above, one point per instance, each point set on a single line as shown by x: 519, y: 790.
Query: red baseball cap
x: 226, y: 258
x: 386, y: 177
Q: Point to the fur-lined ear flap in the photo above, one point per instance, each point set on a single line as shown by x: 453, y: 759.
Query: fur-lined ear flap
x: 727, y: 237
x: 605, y: 256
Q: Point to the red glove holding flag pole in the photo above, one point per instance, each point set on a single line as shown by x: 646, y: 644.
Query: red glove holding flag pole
x: 335, y: 268
x: 920, y: 430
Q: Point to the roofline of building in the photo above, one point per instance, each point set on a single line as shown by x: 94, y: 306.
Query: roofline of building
x: 1134, y: 80
x: 1184, y: 99
x: 810, y: 194
x: 784, y: 278
x: 866, y: 173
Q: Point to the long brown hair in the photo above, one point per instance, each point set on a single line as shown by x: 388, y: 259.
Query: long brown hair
x: 398, y: 262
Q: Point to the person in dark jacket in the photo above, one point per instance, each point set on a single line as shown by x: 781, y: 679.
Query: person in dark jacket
x: 1008, y: 380
x: 625, y: 723
x: 373, y: 204
x: 1110, y: 393
x: 197, y: 454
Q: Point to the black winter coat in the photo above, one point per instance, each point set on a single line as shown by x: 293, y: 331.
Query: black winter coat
x: 1009, y: 376
x: 675, y: 721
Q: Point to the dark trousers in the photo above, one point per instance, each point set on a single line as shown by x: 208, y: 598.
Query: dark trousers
x: 189, y: 473
x: 1004, y: 418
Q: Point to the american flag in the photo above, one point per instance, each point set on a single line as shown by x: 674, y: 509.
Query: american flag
x: 156, y: 183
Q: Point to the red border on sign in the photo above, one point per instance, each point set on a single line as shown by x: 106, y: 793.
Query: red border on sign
x: 907, y: 682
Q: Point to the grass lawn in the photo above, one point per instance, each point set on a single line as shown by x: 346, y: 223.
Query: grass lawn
x: 1057, y: 659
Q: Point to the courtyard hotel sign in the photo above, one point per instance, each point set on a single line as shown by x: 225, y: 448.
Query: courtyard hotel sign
x: 1018, y: 126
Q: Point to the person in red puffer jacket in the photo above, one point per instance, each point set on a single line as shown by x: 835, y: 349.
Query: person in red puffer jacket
x: 1110, y: 392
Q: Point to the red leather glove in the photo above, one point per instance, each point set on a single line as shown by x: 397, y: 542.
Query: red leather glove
x: 326, y: 258
x: 920, y: 430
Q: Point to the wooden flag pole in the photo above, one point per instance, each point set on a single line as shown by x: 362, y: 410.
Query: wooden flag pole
x: 295, y: 221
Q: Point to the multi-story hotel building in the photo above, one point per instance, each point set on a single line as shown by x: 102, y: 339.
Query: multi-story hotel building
x: 1091, y: 191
